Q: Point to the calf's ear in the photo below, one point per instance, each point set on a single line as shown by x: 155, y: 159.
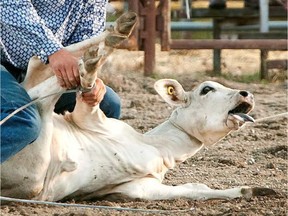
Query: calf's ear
x: 172, y: 92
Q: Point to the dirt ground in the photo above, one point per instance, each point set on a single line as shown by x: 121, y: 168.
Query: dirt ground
x: 256, y: 155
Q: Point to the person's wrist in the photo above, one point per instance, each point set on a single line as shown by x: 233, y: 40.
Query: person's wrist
x: 55, y: 54
x: 47, y: 51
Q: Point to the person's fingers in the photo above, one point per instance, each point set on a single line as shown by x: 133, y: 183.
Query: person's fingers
x: 73, y: 75
x: 94, y: 100
x: 100, y: 83
x: 96, y: 95
x: 76, y: 74
x: 62, y: 77
x: 65, y: 66
x: 92, y: 95
x: 59, y: 78
x: 97, y: 91
x: 68, y: 85
x: 60, y: 81
x: 71, y: 78
x: 100, y: 88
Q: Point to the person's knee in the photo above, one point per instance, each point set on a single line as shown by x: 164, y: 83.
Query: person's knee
x: 18, y: 131
x: 115, y: 108
x: 33, y: 124
x: 23, y: 127
x: 111, y: 104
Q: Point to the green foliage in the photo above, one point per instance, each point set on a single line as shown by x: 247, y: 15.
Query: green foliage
x: 191, y: 35
x: 245, y: 78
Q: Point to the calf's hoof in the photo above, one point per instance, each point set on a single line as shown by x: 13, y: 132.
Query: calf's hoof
x: 248, y: 193
x: 126, y: 23
x: 261, y: 191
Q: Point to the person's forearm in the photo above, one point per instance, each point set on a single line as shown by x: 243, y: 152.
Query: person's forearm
x: 22, y: 28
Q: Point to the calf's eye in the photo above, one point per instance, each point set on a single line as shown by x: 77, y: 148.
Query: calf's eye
x: 206, y: 89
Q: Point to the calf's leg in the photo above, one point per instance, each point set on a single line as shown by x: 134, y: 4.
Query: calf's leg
x: 152, y: 189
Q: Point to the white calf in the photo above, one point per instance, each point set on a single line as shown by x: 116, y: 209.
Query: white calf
x: 84, y: 154
x: 87, y: 155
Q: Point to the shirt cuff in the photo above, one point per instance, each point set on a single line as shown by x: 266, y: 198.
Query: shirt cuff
x: 47, y: 49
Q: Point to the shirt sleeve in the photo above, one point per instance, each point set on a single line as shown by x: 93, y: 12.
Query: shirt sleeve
x: 24, y: 34
x: 92, y: 22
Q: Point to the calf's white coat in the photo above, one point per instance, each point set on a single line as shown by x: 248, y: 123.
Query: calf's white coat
x: 84, y: 154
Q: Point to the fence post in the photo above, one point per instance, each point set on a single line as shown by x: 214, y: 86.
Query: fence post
x: 264, y: 27
x: 150, y: 34
x: 163, y: 21
x: 216, y: 52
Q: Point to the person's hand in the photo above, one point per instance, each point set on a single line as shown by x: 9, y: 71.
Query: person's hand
x: 65, y: 67
x: 96, y: 94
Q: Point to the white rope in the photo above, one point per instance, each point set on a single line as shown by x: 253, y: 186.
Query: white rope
x: 249, y: 124
x: 86, y: 206
x: 271, y: 117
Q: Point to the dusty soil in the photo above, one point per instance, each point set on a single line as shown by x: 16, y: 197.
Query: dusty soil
x: 254, y: 156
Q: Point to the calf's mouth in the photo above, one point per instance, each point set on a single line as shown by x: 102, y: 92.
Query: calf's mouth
x: 240, y: 113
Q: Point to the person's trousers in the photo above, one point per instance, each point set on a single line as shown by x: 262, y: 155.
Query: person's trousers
x: 22, y: 128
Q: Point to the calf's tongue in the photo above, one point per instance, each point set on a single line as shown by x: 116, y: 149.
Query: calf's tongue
x: 243, y: 117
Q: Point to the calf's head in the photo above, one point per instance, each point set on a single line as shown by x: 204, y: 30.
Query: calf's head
x: 210, y: 111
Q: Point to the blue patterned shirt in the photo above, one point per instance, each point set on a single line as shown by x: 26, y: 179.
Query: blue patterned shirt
x: 42, y: 27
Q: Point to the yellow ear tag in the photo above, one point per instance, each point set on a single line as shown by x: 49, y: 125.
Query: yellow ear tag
x: 170, y: 90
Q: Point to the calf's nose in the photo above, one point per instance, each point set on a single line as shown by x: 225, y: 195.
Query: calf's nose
x: 244, y: 93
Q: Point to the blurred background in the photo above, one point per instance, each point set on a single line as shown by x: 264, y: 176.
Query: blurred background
x: 237, y: 39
